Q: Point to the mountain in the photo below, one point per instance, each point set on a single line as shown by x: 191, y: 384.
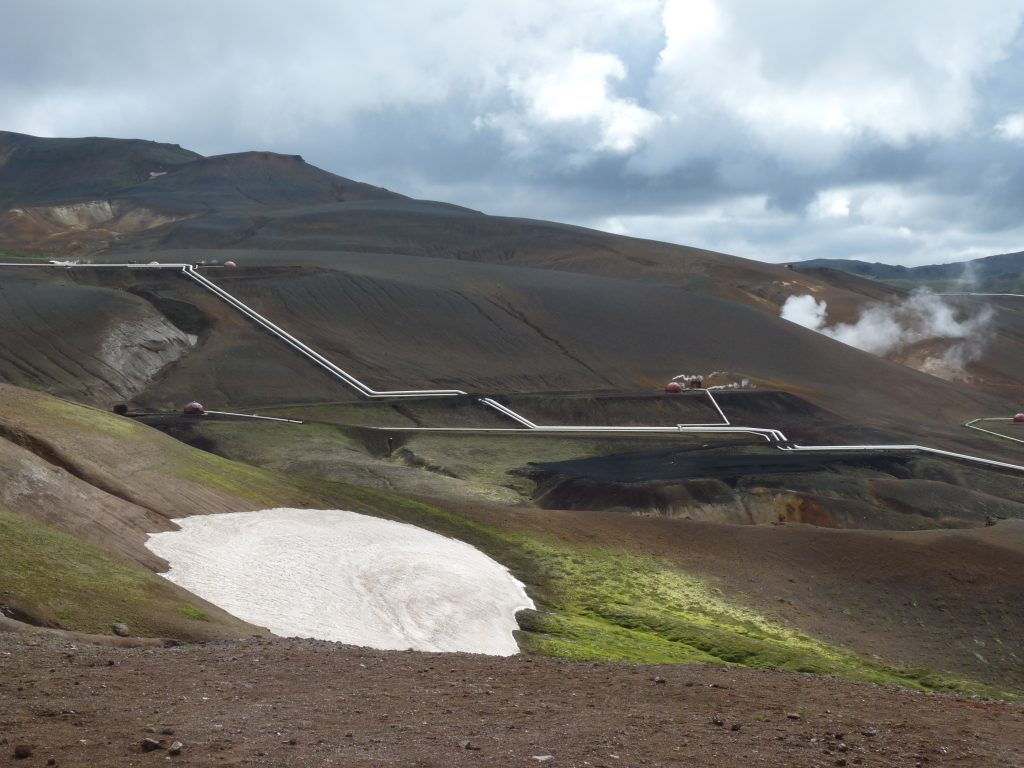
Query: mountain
x: 36, y: 171
x: 1001, y: 273
x: 671, y: 546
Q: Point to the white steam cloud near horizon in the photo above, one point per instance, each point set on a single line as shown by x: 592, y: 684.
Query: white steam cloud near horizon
x: 885, y: 328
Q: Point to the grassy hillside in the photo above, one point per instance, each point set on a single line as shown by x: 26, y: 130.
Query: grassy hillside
x: 56, y: 580
x: 595, y: 600
x: 611, y: 603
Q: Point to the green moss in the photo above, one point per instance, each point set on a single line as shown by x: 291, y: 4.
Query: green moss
x: 189, y: 611
x: 604, y: 603
x: 60, y: 581
x: 594, y: 602
x: 258, y: 485
x: 6, y: 255
x: 92, y: 419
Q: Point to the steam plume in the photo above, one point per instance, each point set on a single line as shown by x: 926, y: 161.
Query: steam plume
x: 885, y: 328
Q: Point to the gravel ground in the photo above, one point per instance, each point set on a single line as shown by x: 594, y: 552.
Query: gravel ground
x: 313, y: 703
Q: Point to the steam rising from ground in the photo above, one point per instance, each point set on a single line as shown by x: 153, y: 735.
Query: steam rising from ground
x: 887, y: 328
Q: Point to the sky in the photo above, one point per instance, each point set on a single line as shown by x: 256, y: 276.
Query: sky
x: 882, y: 130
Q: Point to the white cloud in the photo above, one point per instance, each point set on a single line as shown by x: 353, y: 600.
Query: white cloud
x: 689, y: 25
x: 1011, y: 127
x: 783, y: 130
x: 575, y: 92
x: 830, y: 204
x: 804, y: 80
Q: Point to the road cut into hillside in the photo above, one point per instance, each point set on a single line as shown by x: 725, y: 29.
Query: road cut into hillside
x: 347, y: 577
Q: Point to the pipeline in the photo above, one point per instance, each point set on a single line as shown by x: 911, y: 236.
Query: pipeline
x: 312, y: 354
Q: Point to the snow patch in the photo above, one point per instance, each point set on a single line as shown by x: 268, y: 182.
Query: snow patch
x: 342, y: 576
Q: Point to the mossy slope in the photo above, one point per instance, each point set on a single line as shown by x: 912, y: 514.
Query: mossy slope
x: 56, y: 580
x: 601, y: 603
x: 595, y: 602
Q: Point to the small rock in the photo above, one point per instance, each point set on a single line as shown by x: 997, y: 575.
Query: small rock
x: 542, y: 758
x: 51, y: 761
x: 175, y: 748
x: 22, y: 751
x: 167, y: 731
x: 468, y: 745
x: 659, y: 680
x: 735, y: 727
x: 794, y: 716
x: 121, y: 630
x: 869, y: 732
x: 148, y: 745
x: 716, y: 720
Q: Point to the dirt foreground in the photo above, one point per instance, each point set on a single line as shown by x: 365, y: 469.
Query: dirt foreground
x: 312, y: 703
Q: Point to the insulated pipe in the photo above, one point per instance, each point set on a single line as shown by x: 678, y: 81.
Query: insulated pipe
x: 970, y: 425
x: 93, y: 266
x: 507, y: 412
x: 717, y: 407
x: 254, y: 416
x: 771, y: 435
x: 570, y: 430
x: 312, y: 354
x: 915, y: 448
x: 768, y: 434
x: 1013, y: 295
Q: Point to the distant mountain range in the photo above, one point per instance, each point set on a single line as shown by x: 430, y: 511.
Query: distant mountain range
x: 1001, y: 273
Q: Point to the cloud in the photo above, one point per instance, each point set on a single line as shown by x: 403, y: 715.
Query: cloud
x: 574, y: 92
x: 806, y: 80
x: 778, y: 131
x: 830, y: 204
x: 1011, y: 127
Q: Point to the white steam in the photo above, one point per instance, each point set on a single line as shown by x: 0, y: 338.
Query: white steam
x: 968, y: 279
x: 887, y: 328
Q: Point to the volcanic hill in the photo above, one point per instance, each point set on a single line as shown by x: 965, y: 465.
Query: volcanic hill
x: 887, y: 565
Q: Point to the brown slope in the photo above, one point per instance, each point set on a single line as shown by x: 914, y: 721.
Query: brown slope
x: 490, y: 328
x: 947, y: 600
x: 138, y: 464
x: 80, y: 490
x: 42, y: 489
x: 995, y: 361
x: 98, y: 344
x: 408, y: 322
x: 307, y: 703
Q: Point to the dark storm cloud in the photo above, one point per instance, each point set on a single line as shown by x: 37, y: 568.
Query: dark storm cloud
x: 778, y: 131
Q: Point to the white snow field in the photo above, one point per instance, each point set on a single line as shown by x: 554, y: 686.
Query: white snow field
x: 342, y: 576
